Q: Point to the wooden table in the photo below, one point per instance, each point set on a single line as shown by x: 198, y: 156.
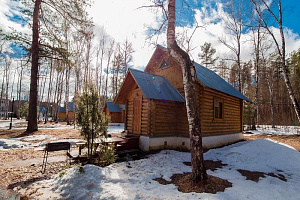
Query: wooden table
x: 98, y: 141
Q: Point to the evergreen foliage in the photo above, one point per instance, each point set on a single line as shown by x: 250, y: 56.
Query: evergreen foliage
x: 90, y: 117
x: 207, y: 55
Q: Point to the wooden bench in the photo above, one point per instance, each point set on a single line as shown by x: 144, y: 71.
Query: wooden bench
x: 54, y: 146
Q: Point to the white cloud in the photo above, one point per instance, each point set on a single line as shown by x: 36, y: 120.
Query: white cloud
x: 8, y: 9
x: 126, y: 19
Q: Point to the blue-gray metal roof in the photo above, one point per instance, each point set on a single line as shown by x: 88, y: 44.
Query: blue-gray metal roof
x: 214, y: 81
x: 113, y: 107
x: 63, y: 109
x: 156, y: 87
x: 123, y: 106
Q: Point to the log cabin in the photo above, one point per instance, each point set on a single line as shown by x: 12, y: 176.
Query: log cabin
x: 62, y: 112
x: 156, y: 111
x: 114, y: 112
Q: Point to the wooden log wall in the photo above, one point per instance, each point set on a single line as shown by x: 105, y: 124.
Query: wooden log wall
x: 168, y: 117
x: 231, y: 121
x: 116, y: 117
x: 145, y: 122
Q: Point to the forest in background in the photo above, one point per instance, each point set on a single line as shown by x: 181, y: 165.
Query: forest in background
x: 74, y: 53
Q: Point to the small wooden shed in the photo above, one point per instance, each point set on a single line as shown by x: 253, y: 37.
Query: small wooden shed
x: 114, y: 112
x: 62, y: 112
x: 155, y: 105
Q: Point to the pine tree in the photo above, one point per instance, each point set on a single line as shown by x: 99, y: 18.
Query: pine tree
x: 207, y: 55
x: 90, y: 116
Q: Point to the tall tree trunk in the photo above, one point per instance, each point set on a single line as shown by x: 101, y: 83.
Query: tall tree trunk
x: 256, y: 63
x: 2, y: 90
x: 97, y: 70
x: 281, y: 50
x: 59, y: 94
x: 7, y: 83
x: 55, y: 99
x: 271, y: 103
x: 284, y: 67
x: 107, y: 76
x: 49, y: 92
x: 32, y: 115
x: 67, y: 94
x: 20, y: 91
x: 42, y: 93
x: 117, y: 75
x: 101, y: 68
x: 109, y: 54
x: 197, y: 160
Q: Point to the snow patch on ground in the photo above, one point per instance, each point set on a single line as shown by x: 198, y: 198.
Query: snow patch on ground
x: 115, y: 128
x: 134, y: 179
x: 278, y: 130
x: 34, y: 141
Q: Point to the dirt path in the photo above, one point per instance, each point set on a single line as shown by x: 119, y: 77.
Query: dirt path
x: 20, y: 167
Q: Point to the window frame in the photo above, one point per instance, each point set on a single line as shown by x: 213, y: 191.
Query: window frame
x: 165, y: 67
x: 218, y: 100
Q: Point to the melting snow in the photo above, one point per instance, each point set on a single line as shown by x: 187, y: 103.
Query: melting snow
x: 134, y: 179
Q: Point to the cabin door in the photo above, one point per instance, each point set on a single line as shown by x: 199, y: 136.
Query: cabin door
x: 137, y: 106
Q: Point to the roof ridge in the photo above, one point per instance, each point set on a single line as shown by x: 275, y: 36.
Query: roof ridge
x: 148, y: 73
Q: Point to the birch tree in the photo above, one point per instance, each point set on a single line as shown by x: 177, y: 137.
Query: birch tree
x: 197, y: 160
x: 261, y: 7
x: 233, y: 25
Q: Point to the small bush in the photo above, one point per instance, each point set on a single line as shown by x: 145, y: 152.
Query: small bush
x: 61, y: 174
x: 81, y: 170
x: 108, y: 155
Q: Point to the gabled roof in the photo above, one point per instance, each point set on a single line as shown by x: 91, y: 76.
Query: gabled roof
x: 152, y: 86
x: 63, y: 109
x: 212, y: 80
x: 113, y: 107
x: 156, y: 87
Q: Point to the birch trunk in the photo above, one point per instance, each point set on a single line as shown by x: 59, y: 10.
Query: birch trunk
x: 49, y: 92
x: 256, y: 63
x: 197, y: 160
x: 20, y: 91
x: 67, y: 94
x: 280, y: 49
x: 7, y: 64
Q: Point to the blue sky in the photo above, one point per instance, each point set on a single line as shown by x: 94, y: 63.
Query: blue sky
x: 290, y: 9
x: 133, y: 26
x: 291, y: 14
x: 132, y: 23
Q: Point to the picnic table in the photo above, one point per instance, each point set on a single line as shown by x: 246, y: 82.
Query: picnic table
x: 98, y: 141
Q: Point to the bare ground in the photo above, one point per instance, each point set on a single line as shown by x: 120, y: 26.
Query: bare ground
x: 292, y: 140
x: 21, y: 177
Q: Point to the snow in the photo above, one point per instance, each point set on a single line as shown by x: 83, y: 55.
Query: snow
x: 6, y: 123
x: 134, y: 179
x: 115, y: 128
x: 278, y: 130
x: 34, y: 141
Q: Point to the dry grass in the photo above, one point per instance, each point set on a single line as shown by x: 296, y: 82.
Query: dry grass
x: 292, y: 140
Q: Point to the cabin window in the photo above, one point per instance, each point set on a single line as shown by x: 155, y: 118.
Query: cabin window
x: 164, y: 64
x: 218, y: 108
